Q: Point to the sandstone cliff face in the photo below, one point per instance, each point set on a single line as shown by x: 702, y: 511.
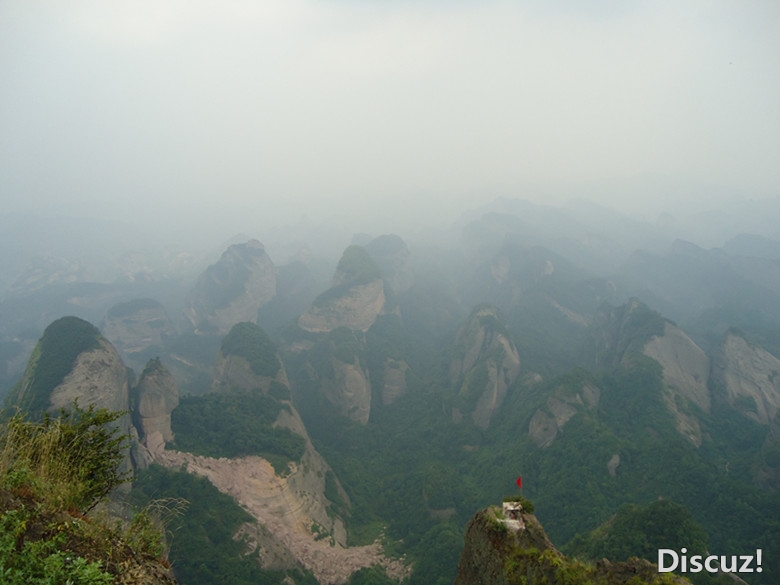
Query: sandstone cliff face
x: 750, y: 377
x: 286, y: 508
x: 686, y: 370
x: 686, y: 366
x: 282, y: 509
x: 233, y: 289
x: 349, y: 390
x: 137, y: 328
x: 98, y: 378
x: 487, y: 364
x: 307, y: 480
x: 355, y: 307
x: 73, y: 362
x: 155, y: 397
x: 355, y: 299
x: 548, y: 421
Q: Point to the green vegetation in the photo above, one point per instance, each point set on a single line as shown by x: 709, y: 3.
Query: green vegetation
x: 65, y: 463
x: 250, y: 342
x: 357, y: 266
x: 233, y: 424
x: 51, y: 361
x: 52, y: 473
x: 639, y: 531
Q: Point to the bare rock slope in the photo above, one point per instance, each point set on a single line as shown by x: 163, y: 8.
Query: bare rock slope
x: 233, y: 289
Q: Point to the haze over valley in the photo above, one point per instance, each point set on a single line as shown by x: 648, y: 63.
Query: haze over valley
x: 345, y: 271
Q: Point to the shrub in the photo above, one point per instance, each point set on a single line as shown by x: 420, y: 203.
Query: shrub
x: 69, y: 462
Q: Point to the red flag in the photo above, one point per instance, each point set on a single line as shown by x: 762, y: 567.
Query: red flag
x: 520, y: 482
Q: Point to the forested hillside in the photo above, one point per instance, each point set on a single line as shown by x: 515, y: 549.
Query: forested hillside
x: 347, y: 429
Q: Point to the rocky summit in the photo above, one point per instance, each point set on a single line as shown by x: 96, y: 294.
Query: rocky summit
x: 233, y: 289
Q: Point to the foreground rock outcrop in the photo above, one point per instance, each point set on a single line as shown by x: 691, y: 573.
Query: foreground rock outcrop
x: 511, y: 551
x: 74, y: 362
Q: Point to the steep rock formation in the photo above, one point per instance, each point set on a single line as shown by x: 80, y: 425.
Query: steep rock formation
x: 233, y: 289
x: 355, y: 299
x: 154, y: 398
x: 392, y: 256
x: 138, y: 329
x: 349, y: 389
x: 686, y: 366
x: 248, y: 361
x: 686, y: 371
x: 750, y: 378
x: 509, y: 551
x: 287, y: 507
x: 280, y: 507
x: 72, y: 361
x: 548, y: 421
x: 486, y: 365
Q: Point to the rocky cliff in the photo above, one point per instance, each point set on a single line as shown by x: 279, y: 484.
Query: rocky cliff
x: 72, y: 361
x: 485, y: 365
x: 392, y: 257
x: 499, y: 550
x: 248, y: 361
x: 233, y: 289
x: 750, y: 378
x: 686, y: 370
x: 562, y: 404
x: 355, y: 299
x: 154, y: 398
x: 297, y: 525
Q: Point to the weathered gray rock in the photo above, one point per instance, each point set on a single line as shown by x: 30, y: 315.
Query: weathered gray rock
x: 355, y: 299
x: 233, y: 289
x: 349, y: 390
x: 356, y: 308
x: 559, y: 409
x: 750, y: 376
x: 686, y: 370
x: 686, y: 366
x: 98, y: 378
x: 487, y: 364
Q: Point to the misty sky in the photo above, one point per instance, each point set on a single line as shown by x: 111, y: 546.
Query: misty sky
x: 259, y: 111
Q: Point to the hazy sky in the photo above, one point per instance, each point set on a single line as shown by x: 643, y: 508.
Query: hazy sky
x: 255, y: 111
